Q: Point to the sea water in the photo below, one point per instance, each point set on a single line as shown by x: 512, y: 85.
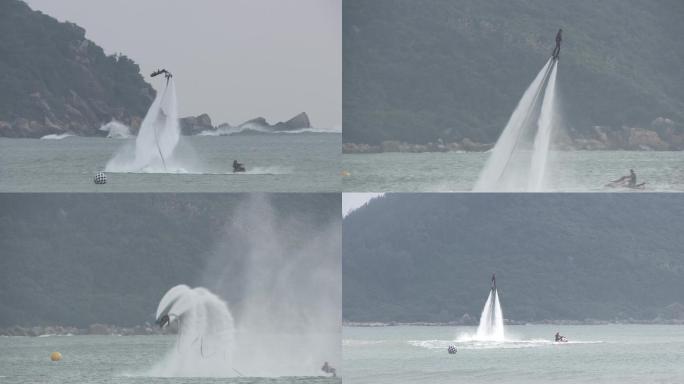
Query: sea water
x: 594, y: 354
x: 303, y: 162
x: 566, y: 171
x: 103, y: 359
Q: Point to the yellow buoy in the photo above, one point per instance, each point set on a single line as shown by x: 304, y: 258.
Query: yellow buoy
x: 346, y: 173
x: 55, y: 356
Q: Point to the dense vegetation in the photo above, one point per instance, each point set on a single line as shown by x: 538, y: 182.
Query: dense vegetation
x: 69, y: 259
x: 429, y: 257
x: 51, y: 75
x: 416, y: 71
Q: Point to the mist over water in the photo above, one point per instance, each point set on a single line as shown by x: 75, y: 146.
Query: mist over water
x: 156, y: 148
x: 206, y: 333
x: 518, y: 160
x: 283, y: 274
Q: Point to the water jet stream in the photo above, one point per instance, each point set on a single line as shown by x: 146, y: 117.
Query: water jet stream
x: 503, y: 170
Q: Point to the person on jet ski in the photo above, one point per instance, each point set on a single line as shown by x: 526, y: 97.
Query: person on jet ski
x: 329, y: 369
x: 238, y: 167
x: 632, y: 179
x: 560, y: 338
x: 164, y: 321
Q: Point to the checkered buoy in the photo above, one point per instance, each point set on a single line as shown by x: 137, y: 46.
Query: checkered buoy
x: 100, y: 178
x: 451, y: 349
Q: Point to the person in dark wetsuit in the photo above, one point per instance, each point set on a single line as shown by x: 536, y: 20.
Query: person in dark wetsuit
x: 328, y: 369
x: 164, y: 321
x: 559, y: 38
x: 559, y: 338
x: 632, y: 179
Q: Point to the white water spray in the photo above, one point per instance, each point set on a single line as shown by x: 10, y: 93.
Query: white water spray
x: 491, y: 326
x: 542, y: 140
x: 509, y: 167
x: 155, y: 147
x: 205, y: 341
x: 283, y: 275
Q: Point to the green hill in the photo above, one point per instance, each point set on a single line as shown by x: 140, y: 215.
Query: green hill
x: 76, y: 260
x: 418, y: 71
x: 429, y: 257
x: 54, y: 80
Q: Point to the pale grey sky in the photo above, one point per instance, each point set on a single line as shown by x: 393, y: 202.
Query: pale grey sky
x: 233, y: 59
x: 352, y: 201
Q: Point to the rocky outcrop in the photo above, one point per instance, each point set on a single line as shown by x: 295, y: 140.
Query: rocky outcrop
x: 193, y: 125
x: 300, y: 121
x: 256, y: 122
x: 260, y: 124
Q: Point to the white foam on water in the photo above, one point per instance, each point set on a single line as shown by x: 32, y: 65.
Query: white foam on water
x: 57, y: 136
x: 275, y: 170
x: 116, y: 130
x: 468, y: 343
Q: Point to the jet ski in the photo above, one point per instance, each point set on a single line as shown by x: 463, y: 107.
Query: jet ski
x: 625, y: 184
x: 327, y: 368
x: 238, y: 167
x: 560, y: 339
x: 628, y: 181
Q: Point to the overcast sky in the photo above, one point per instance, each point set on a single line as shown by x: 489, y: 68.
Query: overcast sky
x: 233, y: 59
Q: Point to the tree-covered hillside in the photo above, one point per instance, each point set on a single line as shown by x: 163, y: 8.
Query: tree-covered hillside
x: 429, y: 257
x: 53, y: 79
x: 76, y: 260
x: 418, y: 71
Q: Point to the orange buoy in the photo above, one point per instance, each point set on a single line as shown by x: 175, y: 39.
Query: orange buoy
x: 55, y: 356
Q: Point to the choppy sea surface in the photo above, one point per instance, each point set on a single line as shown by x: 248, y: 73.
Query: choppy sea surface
x: 104, y: 359
x: 303, y: 162
x: 567, y: 171
x: 594, y: 354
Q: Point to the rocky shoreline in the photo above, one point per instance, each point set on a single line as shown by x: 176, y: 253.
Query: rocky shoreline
x: 465, y: 145
x: 672, y: 314
x: 662, y: 135
x: 517, y: 322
